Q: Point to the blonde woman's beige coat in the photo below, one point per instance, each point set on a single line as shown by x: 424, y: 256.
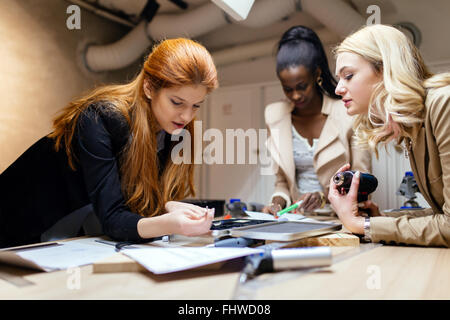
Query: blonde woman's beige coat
x: 430, y: 162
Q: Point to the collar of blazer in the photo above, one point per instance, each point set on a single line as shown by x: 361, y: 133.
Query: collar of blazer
x: 330, y: 130
x: 278, y: 119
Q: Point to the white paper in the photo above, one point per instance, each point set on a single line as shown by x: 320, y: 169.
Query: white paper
x: 268, y: 216
x: 284, y: 217
x: 166, y: 260
x: 63, y: 255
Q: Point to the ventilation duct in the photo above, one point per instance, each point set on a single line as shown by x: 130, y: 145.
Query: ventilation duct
x: 260, y: 49
x: 336, y: 15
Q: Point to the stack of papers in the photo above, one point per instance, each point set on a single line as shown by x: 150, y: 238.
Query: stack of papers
x: 68, y: 254
x: 166, y: 260
x: 58, y: 255
x: 268, y: 216
x: 284, y: 217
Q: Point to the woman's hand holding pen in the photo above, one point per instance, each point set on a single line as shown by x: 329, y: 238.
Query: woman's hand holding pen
x: 188, y: 219
x: 187, y: 207
x: 278, y: 203
x: 183, y: 218
x: 311, y: 201
x: 188, y: 223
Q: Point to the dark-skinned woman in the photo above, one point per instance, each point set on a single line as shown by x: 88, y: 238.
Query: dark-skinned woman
x: 310, y: 134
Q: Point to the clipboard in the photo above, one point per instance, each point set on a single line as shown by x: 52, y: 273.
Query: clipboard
x: 285, y: 230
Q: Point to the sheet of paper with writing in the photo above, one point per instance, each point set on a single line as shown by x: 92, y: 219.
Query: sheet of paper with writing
x: 166, y: 260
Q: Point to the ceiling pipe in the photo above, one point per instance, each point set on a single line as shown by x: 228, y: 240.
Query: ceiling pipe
x: 336, y: 15
x: 120, y: 53
x: 132, y: 8
x: 102, y: 13
x: 266, y: 12
x: 190, y: 24
x: 260, y: 49
x: 123, y: 52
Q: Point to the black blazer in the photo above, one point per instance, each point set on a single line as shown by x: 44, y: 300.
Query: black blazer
x: 40, y: 188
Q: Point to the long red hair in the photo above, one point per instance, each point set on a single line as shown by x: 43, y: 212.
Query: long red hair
x: 172, y: 63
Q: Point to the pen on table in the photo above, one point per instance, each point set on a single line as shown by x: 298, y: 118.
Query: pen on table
x: 240, y: 242
x: 290, y: 208
x: 117, y: 245
x: 111, y: 243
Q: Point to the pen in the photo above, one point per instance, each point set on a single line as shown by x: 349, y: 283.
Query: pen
x: 292, y: 207
x: 111, y: 243
x: 236, y: 242
x: 118, y: 245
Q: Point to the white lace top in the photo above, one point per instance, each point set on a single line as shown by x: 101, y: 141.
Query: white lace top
x: 303, y: 158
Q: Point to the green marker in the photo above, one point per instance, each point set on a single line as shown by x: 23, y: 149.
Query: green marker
x: 290, y: 208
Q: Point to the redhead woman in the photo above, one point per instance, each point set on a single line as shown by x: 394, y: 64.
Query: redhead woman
x: 110, y: 151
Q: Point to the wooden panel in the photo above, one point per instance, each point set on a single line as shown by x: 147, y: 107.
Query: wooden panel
x: 338, y: 239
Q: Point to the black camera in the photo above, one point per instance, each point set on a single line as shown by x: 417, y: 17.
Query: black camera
x: 367, y: 183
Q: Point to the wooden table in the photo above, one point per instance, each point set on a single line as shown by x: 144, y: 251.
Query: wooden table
x: 366, y: 272
x: 384, y: 272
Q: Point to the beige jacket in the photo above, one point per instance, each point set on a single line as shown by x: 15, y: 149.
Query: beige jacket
x: 430, y: 161
x: 334, y: 148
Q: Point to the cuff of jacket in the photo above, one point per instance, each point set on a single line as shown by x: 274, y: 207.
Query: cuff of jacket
x: 284, y: 196
x: 422, y: 231
x: 384, y: 229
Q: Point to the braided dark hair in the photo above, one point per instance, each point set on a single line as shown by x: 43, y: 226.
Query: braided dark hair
x: 301, y: 46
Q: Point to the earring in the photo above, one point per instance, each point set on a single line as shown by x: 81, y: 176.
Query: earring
x: 320, y: 81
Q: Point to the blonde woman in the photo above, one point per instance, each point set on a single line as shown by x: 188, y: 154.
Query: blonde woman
x: 111, y: 149
x: 383, y: 80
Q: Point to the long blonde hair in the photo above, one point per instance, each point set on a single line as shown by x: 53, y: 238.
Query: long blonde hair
x: 397, y: 103
x: 173, y: 62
